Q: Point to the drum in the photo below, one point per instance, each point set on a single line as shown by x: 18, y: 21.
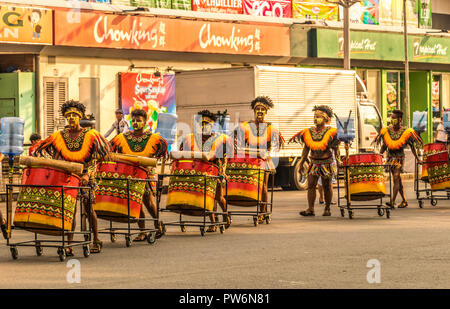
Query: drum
x: 111, y: 201
x: 438, y: 171
x: 186, y: 193
x: 245, y: 181
x: 366, y: 181
x: 40, y: 209
x: 430, y: 149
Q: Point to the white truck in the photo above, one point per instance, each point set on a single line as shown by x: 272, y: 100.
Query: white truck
x: 294, y: 92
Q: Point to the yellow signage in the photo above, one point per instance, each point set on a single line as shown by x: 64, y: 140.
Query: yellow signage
x: 26, y: 25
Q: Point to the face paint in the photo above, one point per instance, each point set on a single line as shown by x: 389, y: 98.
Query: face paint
x: 394, y: 121
x: 137, y: 124
x: 260, y: 112
x: 207, y: 127
x: 318, y: 120
x: 73, y: 118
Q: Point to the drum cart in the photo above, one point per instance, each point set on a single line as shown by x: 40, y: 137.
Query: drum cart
x: 423, y: 188
x: 382, y: 209
x: 128, y: 231
x: 39, y: 244
x: 202, y: 224
x: 269, y: 205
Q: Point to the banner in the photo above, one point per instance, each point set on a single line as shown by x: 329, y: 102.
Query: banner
x: 218, y: 6
x: 268, y: 8
x: 425, y: 16
x: 153, y: 94
x: 391, y: 13
x: 185, y: 5
x: 365, y: 12
x: 95, y: 29
x: 315, y: 9
x: 26, y: 25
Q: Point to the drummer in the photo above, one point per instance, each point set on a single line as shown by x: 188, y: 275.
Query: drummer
x: 81, y: 145
x: 141, y: 142
x: 320, y: 142
x: 217, y: 145
x: 259, y: 135
x: 395, y: 138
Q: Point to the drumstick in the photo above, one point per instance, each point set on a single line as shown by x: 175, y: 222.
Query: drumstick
x: 70, y: 167
x: 143, y: 161
x: 180, y: 155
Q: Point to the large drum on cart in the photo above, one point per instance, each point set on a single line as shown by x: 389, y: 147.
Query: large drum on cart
x: 366, y: 177
x: 187, y: 193
x: 40, y: 209
x: 430, y: 149
x: 438, y: 170
x: 112, y: 194
x: 245, y: 180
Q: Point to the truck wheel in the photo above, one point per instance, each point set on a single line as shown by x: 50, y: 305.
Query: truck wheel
x: 300, y: 181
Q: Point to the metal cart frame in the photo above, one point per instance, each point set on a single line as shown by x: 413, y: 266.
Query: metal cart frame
x: 255, y: 214
x: 129, y: 231
x: 381, y: 208
x: 62, y: 244
x: 426, y: 188
x: 184, y: 223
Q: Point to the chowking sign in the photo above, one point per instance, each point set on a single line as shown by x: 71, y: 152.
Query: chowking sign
x: 150, y: 33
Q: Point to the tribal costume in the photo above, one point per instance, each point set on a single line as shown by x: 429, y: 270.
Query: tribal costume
x: 395, y: 142
x: 319, y: 142
x: 264, y: 137
x: 217, y: 145
x: 88, y: 147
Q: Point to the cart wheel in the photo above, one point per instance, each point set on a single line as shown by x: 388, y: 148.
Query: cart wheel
x: 433, y: 202
x: 202, y: 231
x: 222, y: 229
x: 255, y: 221
x: 86, y: 251
x: 388, y: 213
x: 151, y: 238
x: 14, y: 253
x: 183, y: 228
x: 229, y: 222
x: 380, y: 212
x: 62, y: 254
x: 420, y: 204
x: 342, y: 213
x: 268, y: 219
x: 350, y: 214
x: 128, y: 241
x: 113, y: 237
x: 39, y: 250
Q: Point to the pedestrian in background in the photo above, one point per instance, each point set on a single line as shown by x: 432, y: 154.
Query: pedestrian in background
x: 119, y: 126
x: 440, y: 136
x: 35, y: 138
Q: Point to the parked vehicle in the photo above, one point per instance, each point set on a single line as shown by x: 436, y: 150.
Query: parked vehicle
x: 294, y: 91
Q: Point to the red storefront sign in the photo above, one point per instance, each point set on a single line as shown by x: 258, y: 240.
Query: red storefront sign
x: 218, y: 6
x: 91, y: 29
x: 268, y: 8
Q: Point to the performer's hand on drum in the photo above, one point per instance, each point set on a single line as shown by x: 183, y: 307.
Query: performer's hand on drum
x: 85, y: 180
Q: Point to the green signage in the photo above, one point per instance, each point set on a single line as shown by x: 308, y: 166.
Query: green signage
x: 328, y: 43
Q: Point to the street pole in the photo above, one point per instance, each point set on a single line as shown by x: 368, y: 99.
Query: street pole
x: 405, y: 34
x: 346, y: 4
x: 346, y: 37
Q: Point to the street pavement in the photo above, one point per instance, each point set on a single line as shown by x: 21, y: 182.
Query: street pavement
x: 292, y: 252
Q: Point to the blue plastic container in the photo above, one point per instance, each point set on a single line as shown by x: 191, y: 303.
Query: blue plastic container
x: 167, y: 126
x: 446, y: 118
x: 11, y: 144
x: 12, y: 125
x: 346, y: 129
x: 419, y: 121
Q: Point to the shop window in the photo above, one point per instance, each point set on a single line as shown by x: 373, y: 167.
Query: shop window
x: 89, y: 95
x: 436, y: 100
x: 373, y: 87
x: 55, y: 94
x: 392, y: 92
